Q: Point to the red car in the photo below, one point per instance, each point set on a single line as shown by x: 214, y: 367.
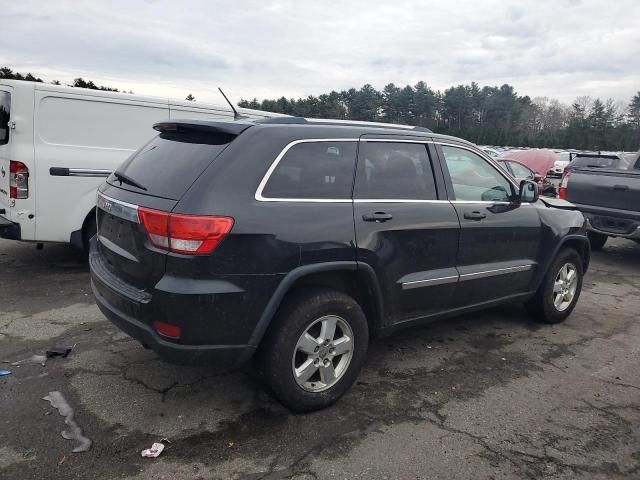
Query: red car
x: 521, y: 172
x: 537, y: 160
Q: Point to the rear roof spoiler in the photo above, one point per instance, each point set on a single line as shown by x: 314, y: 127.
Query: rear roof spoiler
x: 203, y: 126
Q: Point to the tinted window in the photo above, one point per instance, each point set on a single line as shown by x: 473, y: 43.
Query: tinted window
x: 473, y: 178
x: 5, y: 110
x: 322, y: 170
x: 606, y: 162
x: 171, y: 162
x: 400, y: 171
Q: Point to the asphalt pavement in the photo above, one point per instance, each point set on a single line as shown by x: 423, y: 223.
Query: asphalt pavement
x: 488, y: 395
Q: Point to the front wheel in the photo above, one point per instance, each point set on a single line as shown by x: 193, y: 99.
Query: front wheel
x: 558, y: 294
x: 315, y: 349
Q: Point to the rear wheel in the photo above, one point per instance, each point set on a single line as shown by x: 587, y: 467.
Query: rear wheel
x: 559, y: 292
x: 315, y: 349
x: 597, y: 240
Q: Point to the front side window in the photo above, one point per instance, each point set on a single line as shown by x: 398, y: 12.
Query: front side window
x: 314, y: 170
x: 5, y: 110
x: 474, y: 179
x: 397, y: 171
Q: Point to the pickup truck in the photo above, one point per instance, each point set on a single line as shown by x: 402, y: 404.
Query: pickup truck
x: 606, y: 189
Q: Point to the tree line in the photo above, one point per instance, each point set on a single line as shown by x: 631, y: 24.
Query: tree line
x: 488, y: 115
x: 484, y: 115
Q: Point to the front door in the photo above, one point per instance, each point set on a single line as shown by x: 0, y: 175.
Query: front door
x: 405, y: 228
x: 499, y: 238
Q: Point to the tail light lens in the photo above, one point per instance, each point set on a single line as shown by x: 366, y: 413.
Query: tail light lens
x: 18, y: 180
x: 168, y: 329
x: 187, y: 234
x: 564, y: 183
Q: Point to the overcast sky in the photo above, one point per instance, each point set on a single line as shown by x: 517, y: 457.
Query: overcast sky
x: 560, y: 49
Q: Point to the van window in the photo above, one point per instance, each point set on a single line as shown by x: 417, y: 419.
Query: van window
x: 5, y: 111
x: 399, y: 171
x: 314, y: 170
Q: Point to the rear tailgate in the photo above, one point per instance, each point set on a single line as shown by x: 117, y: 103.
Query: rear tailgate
x: 617, y: 189
x: 155, y: 178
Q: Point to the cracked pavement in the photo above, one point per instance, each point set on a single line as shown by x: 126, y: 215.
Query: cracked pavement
x: 488, y: 395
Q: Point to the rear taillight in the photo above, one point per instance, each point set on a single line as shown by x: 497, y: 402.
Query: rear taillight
x: 18, y: 180
x: 562, y: 192
x: 188, y: 234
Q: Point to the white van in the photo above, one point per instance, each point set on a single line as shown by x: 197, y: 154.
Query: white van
x: 57, y: 144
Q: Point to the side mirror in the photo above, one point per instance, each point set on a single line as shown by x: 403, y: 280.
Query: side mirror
x: 528, y: 191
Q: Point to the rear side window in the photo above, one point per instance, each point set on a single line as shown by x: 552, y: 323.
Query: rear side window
x: 169, y: 164
x: 395, y: 171
x: 314, y: 170
x: 5, y: 110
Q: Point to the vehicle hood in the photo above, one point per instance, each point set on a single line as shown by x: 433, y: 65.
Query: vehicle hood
x: 558, y: 203
x: 538, y: 160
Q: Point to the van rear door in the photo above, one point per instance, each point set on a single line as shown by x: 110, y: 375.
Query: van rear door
x: 5, y: 145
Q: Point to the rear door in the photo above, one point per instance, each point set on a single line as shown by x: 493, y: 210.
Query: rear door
x: 499, y: 239
x: 405, y: 228
x: 5, y: 145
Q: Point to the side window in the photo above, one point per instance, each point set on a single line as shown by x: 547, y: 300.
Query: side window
x: 314, y: 170
x: 5, y: 110
x: 474, y: 179
x: 521, y: 171
x: 399, y: 171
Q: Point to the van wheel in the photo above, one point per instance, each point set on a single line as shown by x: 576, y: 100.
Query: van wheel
x: 597, y: 240
x: 314, y: 350
x: 558, y: 294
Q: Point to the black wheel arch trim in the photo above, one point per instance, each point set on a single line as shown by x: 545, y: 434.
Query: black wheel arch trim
x: 302, y: 271
x: 586, y: 254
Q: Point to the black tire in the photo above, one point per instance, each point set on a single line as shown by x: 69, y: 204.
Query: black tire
x: 541, y: 305
x: 597, y: 240
x: 274, y: 359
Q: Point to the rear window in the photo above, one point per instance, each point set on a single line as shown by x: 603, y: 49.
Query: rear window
x: 314, y: 170
x: 5, y: 110
x: 603, y: 162
x: 169, y: 164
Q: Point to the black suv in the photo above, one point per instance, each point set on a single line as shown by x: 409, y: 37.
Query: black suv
x: 291, y: 242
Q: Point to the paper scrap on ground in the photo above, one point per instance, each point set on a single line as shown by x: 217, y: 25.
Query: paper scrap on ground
x: 4, y: 372
x: 155, y: 450
x: 58, y: 401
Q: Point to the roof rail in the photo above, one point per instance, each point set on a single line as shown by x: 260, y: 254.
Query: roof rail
x: 346, y: 123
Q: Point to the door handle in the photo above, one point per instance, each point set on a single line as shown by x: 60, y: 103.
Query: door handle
x: 475, y: 216
x: 378, y: 217
x: 621, y: 187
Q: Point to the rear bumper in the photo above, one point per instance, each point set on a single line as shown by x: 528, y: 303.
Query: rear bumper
x: 633, y: 235
x: 9, y: 230
x: 222, y: 357
x: 217, y: 317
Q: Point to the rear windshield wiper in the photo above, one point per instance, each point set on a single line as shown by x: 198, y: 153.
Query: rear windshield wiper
x: 122, y: 178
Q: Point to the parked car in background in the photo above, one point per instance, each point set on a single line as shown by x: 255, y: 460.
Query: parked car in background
x: 291, y: 242
x: 539, y: 161
x: 606, y: 189
x: 521, y: 172
x: 57, y: 144
x: 562, y: 161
